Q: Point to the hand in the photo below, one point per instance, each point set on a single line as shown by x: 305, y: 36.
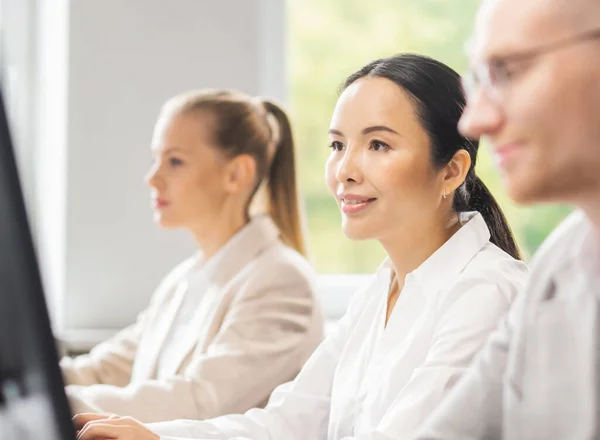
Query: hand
x: 113, y: 427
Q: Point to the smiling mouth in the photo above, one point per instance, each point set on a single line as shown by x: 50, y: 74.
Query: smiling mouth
x: 357, y: 201
x: 356, y: 206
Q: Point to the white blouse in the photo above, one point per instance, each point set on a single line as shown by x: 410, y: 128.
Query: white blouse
x: 369, y: 381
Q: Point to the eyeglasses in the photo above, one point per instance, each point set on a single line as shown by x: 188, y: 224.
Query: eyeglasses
x: 494, y: 75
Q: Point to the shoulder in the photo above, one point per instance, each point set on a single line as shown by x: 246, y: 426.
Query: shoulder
x: 278, y: 266
x: 557, y: 253
x: 570, y: 232
x: 492, y: 267
x: 477, y: 305
x: 486, y: 287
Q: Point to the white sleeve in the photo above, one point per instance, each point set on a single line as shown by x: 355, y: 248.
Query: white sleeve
x: 111, y: 362
x: 297, y: 410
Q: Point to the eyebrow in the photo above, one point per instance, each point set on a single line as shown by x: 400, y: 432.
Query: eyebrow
x: 367, y: 130
x: 173, y: 150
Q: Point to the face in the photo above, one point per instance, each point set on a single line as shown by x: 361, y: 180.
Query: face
x: 379, y: 169
x: 543, y: 123
x: 187, y: 178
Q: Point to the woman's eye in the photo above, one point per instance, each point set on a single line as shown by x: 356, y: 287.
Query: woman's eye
x: 175, y: 162
x: 336, y: 146
x: 379, y: 146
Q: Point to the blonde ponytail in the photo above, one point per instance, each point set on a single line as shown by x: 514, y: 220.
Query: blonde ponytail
x: 283, y: 203
x: 258, y: 127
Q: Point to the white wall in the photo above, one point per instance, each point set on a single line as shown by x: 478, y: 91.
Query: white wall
x: 49, y: 119
x: 100, y: 72
x: 18, y: 57
x: 88, y: 78
x: 126, y: 59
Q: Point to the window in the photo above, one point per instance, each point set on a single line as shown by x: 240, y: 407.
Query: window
x: 328, y: 41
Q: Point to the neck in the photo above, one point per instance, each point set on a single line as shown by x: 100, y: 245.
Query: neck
x: 410, y: 247
x: 210, y: 238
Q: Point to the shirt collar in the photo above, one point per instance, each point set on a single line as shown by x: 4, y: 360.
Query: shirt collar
x: 442, y: 267
x: 246, y: 243
x: 584, y: 249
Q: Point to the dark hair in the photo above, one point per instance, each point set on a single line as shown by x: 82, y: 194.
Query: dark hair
x: 260, y: 128
x: 438, y: 99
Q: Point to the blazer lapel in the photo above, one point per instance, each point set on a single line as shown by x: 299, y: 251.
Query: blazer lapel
x: 259, y: 234
x: 162, y: 324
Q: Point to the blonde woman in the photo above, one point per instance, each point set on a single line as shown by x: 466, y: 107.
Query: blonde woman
x: 240, y: 317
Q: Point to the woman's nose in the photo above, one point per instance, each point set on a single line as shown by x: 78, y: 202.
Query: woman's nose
x: 349, y: 168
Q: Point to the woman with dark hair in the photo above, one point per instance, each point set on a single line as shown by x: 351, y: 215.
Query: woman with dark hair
x: 403, y: 175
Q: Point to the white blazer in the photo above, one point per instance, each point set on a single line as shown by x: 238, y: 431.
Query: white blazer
x: 255, y: 325
x: 367, y: 381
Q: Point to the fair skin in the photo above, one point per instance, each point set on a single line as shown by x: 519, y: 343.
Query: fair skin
x: 194, y: 185
x: 380, y: 152
x: 391, y: 165
x: 111, y: 427
x: 197, y: 187
x: 543, y: 126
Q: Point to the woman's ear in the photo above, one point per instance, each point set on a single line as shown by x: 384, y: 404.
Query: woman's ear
x: 455, y: 171
x: 240, y: 174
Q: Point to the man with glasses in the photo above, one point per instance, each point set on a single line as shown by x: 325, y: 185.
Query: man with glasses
x: 534, y: 93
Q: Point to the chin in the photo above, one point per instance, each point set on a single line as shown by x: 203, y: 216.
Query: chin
x: 526, y: 192
x: 164, y: 222
x: 355, y: 231
x: 530, y: 182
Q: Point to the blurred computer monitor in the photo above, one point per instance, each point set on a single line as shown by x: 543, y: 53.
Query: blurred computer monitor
x: 33, y: 404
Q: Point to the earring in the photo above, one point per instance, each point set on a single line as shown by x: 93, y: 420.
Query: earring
x: 444, y: 193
